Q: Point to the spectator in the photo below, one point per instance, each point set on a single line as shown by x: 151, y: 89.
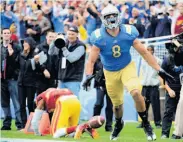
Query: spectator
x: 172, y: 94
x: 92, y: 19
x: 21, y: 26
x: 179, y: 22
x: 47, y: 75
x: 68, y: 19
x: 163, y: 27
x: 150, y: 90
x: 44, y: 24
x: 140, y: 5
x: 125, y: 14
x: 170, y: 12
x: 66, y: 28
x: 14, y: 37
x: 79, y: 21
x: 47, y: 12
x: 9, y: 75
x: 7, y: 16
x: 159, y: 6
x: 58, y: 17
x: 27, y: 78
x: 136, y: 21
x: 151, y: 25
x: 34, y: 30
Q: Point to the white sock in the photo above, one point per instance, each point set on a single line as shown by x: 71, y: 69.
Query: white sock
x: 60, y: 133
x: 71, y: 134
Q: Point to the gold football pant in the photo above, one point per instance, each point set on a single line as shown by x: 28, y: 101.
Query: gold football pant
x: 117, y: 80
x: 66, y: 114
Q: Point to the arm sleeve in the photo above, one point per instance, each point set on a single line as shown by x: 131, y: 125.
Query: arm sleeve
x: 33, y: 64
x: 164, y: 64
x: 92, y: 13
x: 35, y: 121
x: 47, y: 25
x: 75, y: 55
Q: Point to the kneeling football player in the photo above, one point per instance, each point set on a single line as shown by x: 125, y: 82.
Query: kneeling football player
x: 63, y: 103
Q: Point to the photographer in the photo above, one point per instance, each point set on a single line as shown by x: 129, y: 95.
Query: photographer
x: 71, y: 60
x: 172, y: 87
x: 178, y: 58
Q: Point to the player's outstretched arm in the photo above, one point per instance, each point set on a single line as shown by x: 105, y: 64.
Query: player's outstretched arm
x: 150, y: 59
x: 146, y: 54
x: 93, y: 56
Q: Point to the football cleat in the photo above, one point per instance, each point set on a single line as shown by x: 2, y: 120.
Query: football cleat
x: 117, y: 129
x: 151, y: 136
x: 176, y: 137
x: 92, y: 132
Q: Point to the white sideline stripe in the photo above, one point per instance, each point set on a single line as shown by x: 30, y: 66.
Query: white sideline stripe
x: 30, y: 140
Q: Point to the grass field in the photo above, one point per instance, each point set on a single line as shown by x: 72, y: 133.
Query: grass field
x: 129, y: 134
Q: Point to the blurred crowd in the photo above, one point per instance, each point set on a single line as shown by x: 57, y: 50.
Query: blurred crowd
x: 152, y: 18
x: 31, y: 26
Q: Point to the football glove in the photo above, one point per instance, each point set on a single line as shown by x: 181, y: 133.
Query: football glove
x: 87, y: 82
x: 164, y: 75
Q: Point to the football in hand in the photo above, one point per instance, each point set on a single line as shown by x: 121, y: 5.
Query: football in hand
x: 96, y: 122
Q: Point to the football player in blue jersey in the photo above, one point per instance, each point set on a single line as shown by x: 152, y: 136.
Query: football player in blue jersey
x: 113, y: 42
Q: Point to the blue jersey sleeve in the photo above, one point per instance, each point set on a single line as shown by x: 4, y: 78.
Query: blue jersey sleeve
x: 135, y: 32
x: 131, y: 31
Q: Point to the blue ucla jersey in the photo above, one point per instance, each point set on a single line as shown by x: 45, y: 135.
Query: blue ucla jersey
x: 115, y: 51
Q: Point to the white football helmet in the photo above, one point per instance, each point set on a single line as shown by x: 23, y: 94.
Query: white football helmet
x: 110, y: 17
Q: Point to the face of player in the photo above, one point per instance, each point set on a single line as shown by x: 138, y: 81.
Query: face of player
x: 72, y: 36
x: 6, y: 34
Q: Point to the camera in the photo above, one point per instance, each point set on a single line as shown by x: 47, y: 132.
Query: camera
x: 172, y: 47
x: 174, y: 50
x: 179, y: 38
x: 60, y: 41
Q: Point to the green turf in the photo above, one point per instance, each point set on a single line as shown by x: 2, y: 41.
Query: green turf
x: 129, y: 134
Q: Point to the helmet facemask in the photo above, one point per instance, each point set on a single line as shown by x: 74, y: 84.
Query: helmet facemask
x: 111, y: 21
